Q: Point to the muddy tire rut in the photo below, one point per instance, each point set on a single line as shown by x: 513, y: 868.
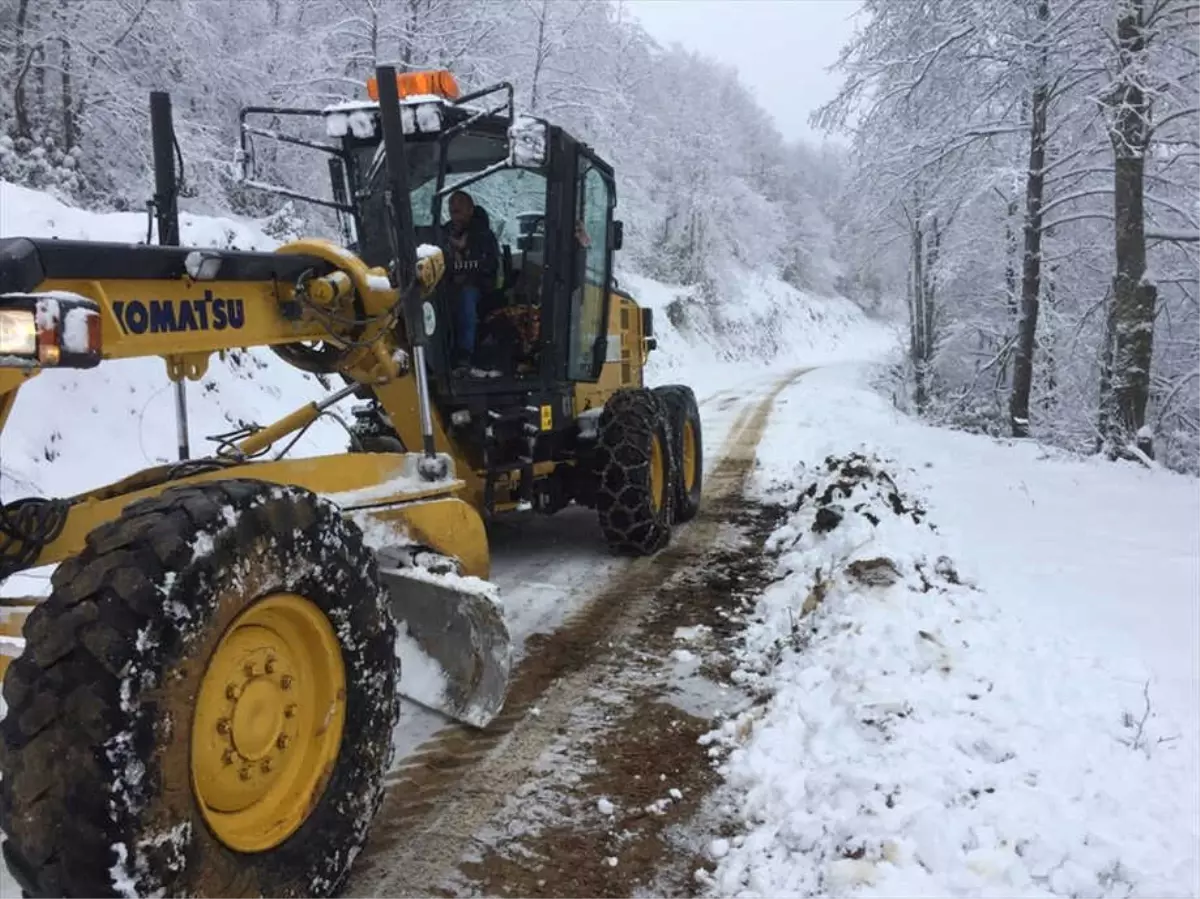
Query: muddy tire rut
x: 574, y: 788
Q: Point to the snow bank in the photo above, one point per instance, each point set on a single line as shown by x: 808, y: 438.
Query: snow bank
x: 754, y: 322
x: 958, y: 686
x: 32, y: 213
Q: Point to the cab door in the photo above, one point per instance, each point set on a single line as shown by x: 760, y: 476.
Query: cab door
x: 590, y: 240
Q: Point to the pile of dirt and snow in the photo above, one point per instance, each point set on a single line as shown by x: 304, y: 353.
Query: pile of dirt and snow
x: 922, y: 730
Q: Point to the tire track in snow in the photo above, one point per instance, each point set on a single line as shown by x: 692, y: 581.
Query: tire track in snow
x: 440, y: 794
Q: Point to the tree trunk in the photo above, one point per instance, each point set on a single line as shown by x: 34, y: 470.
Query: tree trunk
x: 933, y: 247
x: 1106, y: 367
x: 374, y: 38
x: 1010, y: 260
x: 1047, y: 343
x: 68, y: 98
x: 1031, y: 269
x: 408, y: 43
x: 539, y: 57
x: 39, y: 63
x: 920, y: 315
x: 1134, y: 300
x: 20, y: 111
x: 64, y: 24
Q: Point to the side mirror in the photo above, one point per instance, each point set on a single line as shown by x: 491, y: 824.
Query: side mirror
x: 528, y: 143
x: 618, y: 235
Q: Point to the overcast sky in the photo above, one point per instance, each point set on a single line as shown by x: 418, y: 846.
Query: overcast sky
x: 781, y: 48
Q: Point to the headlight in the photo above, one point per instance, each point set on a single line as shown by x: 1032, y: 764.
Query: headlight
x: 18, y: 333
x: 49, y: 329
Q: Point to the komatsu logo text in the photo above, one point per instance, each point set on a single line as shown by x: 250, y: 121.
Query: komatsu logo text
x: 173, y: 316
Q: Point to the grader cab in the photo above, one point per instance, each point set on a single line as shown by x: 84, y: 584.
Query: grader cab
x: 204, y: 703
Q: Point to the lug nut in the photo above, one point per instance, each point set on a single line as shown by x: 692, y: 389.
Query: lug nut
x: 231, y: 691
x: 282, y: 742
x: 244, y: 774
x: 290, y: 711
x: 248, y: 669
x: 222, y: 725
x: 286, y: 682
x: 265, y: 766
x: 270, y: 666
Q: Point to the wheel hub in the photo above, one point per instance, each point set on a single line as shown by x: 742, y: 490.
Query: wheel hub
x: 257, y: 719
x: 657, y: 474
x: 268, y: 722
x: 689, y: 456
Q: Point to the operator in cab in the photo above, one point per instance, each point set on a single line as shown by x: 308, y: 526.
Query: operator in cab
x: 473, y: 259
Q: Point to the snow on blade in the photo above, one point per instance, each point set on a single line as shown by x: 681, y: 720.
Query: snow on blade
x: 423, y: 680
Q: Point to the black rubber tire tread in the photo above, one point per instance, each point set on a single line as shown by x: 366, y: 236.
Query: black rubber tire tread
x: 680, y: 403
x: 631, y: 525
x: 96, y: 795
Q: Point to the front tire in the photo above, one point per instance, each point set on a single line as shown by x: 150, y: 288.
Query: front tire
x: 205, y: 703
x: 683, y: 413
x: 636, y: 473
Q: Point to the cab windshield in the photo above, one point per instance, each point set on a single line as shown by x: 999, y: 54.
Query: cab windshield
x: 508, y: 195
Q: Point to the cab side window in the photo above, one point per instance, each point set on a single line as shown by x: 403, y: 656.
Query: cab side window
x: 594, y: 208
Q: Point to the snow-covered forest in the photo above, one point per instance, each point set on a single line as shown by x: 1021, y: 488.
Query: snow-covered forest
x: 1018, y: 180
x: 1026, y: 172
x: 704, y: 176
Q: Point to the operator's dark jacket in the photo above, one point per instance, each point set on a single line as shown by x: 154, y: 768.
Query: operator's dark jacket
x: 477, y: 264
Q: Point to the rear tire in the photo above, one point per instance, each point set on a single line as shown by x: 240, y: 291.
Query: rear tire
x: 635, y: 473
x: 683, y: 413
x: 109, y: 739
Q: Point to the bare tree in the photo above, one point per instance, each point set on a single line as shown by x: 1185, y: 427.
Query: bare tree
x: 1031, y: 263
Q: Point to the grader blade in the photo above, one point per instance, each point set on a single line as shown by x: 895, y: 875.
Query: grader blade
x: 454, y: 647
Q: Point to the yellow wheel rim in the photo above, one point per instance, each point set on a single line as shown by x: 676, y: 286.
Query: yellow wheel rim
x: 268, y: 722
x: 689, y: 456
x: 657, y: 474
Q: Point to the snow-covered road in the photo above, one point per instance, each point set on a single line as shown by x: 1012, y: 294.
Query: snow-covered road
x: 549, y: 567
x: 558, y: 583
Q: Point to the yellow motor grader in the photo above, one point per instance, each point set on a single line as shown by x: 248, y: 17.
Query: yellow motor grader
x: 204, y: 703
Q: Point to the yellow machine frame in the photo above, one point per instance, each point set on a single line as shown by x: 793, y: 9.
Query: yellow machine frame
x: 378, y: 361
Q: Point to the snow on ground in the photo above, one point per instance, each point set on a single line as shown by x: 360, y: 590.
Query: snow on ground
x: 34, y: 213
x: 761, y: 325
x: 977, y: 725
